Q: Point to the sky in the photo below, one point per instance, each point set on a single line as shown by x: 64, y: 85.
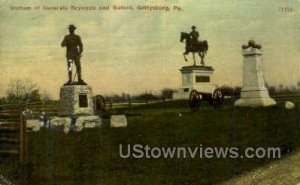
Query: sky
x: 139, y: 51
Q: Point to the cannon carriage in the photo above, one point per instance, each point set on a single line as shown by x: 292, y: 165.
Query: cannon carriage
x: 216, y: 98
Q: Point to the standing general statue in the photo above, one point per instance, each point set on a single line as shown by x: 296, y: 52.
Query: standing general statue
x: 74, y: 50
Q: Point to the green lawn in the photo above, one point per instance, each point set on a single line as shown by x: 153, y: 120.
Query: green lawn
x: 92, y: 156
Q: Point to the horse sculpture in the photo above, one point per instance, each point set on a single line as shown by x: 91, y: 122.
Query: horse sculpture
x: 200, y: 47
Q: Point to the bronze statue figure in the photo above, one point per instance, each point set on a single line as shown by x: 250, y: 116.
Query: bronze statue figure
x: 194, y: 34
x: 74, y: 50
x: 192, y: 44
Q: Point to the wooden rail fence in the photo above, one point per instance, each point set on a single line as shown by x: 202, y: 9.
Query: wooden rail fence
x: 13, y: 137
x: 13, y: 126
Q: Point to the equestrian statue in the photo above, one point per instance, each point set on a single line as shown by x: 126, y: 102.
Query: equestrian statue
x: 194, y: 45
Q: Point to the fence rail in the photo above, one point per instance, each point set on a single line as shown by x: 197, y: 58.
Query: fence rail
x: 13, y: 135
x: 110, y: 104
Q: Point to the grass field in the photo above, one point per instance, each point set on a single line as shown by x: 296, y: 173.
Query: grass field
x: 92, y: 157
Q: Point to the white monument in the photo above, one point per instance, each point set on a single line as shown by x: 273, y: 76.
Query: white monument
x: 195, y: 77
x: 254, y: 93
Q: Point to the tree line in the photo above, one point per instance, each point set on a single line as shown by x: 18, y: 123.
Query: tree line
x: 26, y: 91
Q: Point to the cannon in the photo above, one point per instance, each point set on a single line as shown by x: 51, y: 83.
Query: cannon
x: 99, y: 105
x: 216, y: 99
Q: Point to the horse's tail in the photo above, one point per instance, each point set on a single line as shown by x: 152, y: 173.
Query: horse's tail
x: 205, y: 44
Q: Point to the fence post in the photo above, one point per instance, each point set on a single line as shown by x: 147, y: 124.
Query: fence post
x: 110, y: 103
x: 129, y: 101
x: 23, y: 137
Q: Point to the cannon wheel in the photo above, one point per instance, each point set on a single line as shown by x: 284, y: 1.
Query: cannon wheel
x: 99, y: 105
x: 194, y: 100
x: 218, y: 98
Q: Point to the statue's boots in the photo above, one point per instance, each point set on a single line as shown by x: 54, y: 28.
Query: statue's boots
x: 70, y: 79
x: 80, y: 81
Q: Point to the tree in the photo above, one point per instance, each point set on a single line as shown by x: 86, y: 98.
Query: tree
x: 237, y: 91
x: 272, y: 90
x: 21, y: 91
x: 167, y: 93
x: 147, y: 96
x: 280, y: 88
x: 227, y: 90
x: 46, y: 97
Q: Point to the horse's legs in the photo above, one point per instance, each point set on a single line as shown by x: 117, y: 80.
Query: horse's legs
x: 184, y: 55
x: 201, y: 55
x: 194, y: 59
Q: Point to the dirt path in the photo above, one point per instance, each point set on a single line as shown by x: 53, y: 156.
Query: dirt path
x: 282, y: 172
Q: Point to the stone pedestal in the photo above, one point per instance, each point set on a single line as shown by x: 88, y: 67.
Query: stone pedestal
x: 195, y: 77
x: 254, y: 93
x: 76, y: 100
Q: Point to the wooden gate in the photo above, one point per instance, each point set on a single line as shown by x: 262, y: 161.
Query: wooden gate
x: 13, y: 135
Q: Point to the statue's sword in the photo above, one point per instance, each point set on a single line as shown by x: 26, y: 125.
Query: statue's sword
x: 75, y: 70
x: 74, y: 76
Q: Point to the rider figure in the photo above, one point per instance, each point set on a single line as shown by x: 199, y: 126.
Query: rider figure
x: 74, y: 50
x: 194, y: 34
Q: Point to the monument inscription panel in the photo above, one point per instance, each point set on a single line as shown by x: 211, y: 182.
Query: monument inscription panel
x: 83, y: 100
x: 202, y: 79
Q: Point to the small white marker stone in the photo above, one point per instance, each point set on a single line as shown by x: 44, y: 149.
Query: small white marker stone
x: 118, y: 121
